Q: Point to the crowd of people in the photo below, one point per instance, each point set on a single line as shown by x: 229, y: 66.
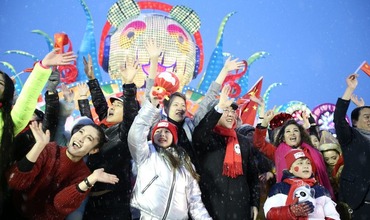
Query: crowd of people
x: 148, y: 160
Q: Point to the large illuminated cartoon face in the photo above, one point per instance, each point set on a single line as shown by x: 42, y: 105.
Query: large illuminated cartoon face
x: 128, y: 43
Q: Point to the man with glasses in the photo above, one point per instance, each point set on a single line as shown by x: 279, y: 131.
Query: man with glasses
x: 229, y: 177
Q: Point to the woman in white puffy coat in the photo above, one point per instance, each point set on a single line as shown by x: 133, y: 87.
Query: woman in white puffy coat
x: 167, y: 184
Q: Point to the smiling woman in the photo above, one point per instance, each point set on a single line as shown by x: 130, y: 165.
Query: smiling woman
x: 52, y: 180
x: 14, y: 118
x: 166, y: 186
x: 291, y: 135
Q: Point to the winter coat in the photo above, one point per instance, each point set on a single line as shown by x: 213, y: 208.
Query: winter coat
x: 277, y: 155
x: 24, y: 141
x: 26, y: 102
x: 355, y: 177
x: 160, y: 191
x: 114, y: 156
x: 186, y: 128
x: 275, y: 206
x: 224, y: 197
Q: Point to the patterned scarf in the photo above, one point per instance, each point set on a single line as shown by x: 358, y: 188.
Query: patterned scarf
x: 233, y: 158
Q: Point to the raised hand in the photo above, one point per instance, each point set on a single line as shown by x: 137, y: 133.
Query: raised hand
x: 259, y: 100
x: 224, y: 97
x: 352, y: 81
x: 67, y: 93
x: 83, y: 90
x: 88, y: 67
x: 54, y: 58
x: 269, y: 115
x: 42, y: 138
x: 153, y: 49
x: 234, y: 64
x: 358, y: 102
x: 261, y: 104
x: 129, y: 71
x: 154, y: 52
x: 229, y: 65
x: 305, y: 117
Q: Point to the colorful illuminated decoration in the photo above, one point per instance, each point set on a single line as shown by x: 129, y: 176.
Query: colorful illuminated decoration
x: 175, y: 29
x: 266, y: 95
x: 238, y: 80
x: 88, y: 46
x: 68, y: 73
x: 324, y: 115
x: 295, y: 108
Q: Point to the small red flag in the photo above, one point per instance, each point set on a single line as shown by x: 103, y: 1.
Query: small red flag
x: 366, y: 68
x: 248, y: 110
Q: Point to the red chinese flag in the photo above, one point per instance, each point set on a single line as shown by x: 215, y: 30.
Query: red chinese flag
x: 248, y: 110
x: 366, y: 68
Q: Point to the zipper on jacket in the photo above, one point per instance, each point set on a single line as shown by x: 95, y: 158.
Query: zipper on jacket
x: 171, y: 194
x: 150, y: 183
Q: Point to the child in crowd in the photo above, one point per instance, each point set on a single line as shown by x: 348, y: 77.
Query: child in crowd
x: 299, y: 195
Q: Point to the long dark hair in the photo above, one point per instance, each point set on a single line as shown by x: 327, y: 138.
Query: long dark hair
x: 304, y: 134
x: 6, y: 145
x: 182, y: 158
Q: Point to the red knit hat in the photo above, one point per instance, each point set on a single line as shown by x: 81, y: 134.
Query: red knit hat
x: 166, y: 124
x: 293, y: 155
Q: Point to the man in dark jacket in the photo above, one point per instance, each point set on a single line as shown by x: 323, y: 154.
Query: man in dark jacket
x: 355, y: 142
x: 229, y: 178
x: 108, y: 201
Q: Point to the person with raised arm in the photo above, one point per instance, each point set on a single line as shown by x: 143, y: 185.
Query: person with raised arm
x: 167, y: 183
x: 354, y: 140
x: 175, y: 105
x: 229, y: 177
x: 51, y: 181
x: 13, y: 119
x: 106, y: 200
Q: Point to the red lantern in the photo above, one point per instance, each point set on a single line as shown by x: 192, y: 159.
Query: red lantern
x: 165, y: 83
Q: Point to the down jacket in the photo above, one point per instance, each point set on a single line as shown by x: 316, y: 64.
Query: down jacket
x: 160, y: 191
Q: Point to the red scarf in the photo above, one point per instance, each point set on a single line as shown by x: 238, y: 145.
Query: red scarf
x: 233, y: 158
x: 339, y: 163
x: 108, y: 124
x: 294, y: 184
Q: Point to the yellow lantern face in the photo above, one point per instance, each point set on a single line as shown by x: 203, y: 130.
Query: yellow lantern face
x: 128, y: 45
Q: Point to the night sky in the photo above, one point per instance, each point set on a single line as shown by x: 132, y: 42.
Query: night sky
x: 312, y: 45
